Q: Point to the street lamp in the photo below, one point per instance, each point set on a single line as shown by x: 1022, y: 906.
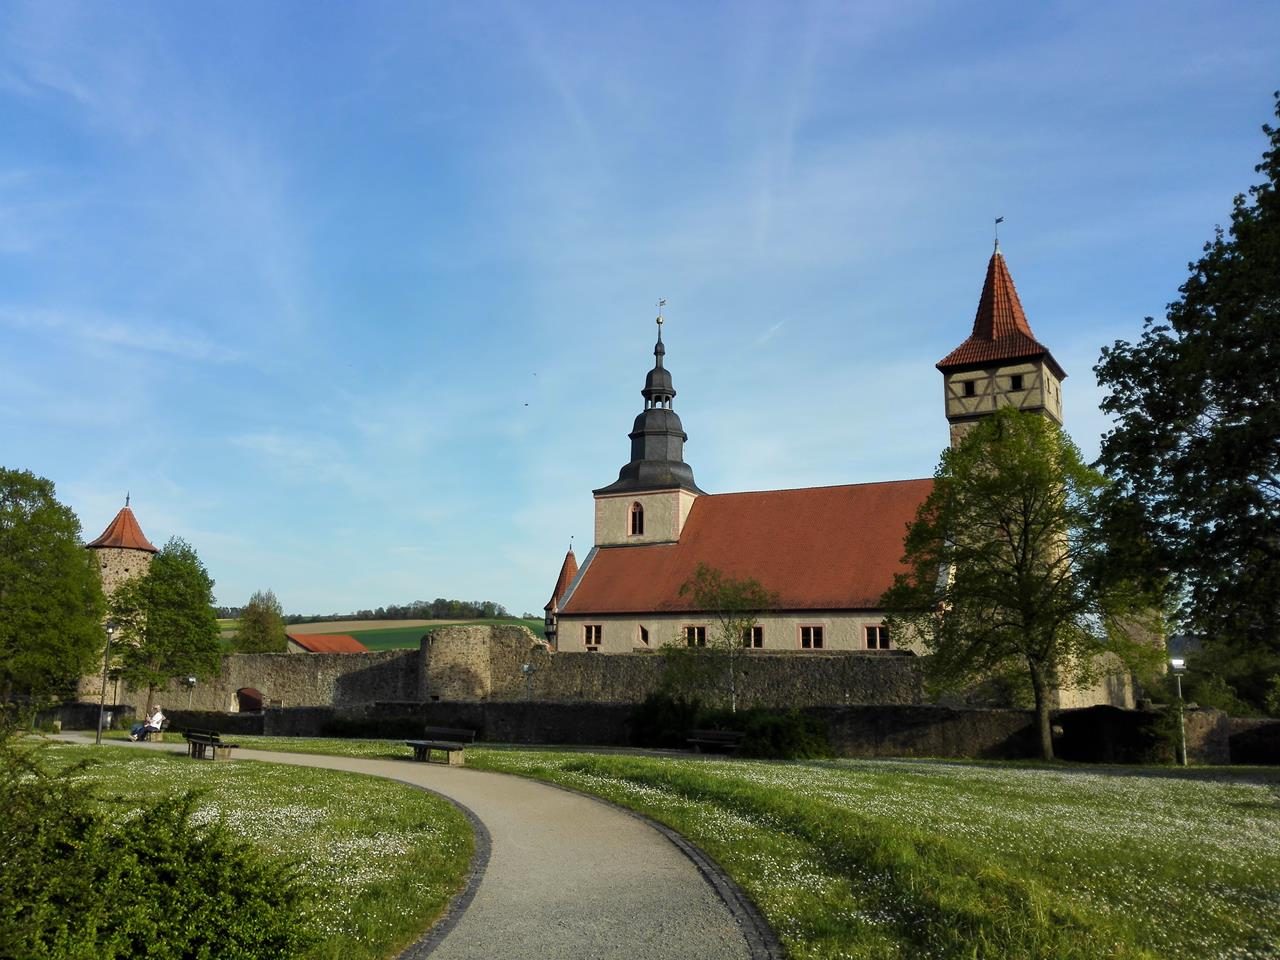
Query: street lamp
x: 106, y: 666
x: 191, y: 686
x: 1179, y: 667
x: 528, y: 669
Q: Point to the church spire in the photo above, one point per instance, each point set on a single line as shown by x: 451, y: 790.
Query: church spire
x: 657, y: 436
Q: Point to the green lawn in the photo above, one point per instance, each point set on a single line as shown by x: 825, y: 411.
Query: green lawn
x: 399, y: 638
x: 382, y: 860
x: 906, y: 859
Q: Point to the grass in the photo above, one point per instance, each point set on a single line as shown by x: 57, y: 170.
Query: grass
x: 399, y: 638
x: 906, y: 859
x: 382, y: 859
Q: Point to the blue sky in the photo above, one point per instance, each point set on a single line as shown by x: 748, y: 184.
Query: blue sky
x: 359, y: 298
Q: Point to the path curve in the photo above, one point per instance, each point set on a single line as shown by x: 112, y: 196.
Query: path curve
x: 570, y: 877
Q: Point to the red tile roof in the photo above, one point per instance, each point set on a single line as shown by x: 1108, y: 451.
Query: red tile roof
x: 327, y: 642
x: 568, y: 570
x: 1000, y: 328
x: 124, y: 532
x: 821, y: 548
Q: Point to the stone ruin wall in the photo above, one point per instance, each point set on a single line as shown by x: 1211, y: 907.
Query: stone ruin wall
x: 459, y: 664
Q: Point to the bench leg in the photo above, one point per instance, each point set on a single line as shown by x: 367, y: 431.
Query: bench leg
x: 455, y: 758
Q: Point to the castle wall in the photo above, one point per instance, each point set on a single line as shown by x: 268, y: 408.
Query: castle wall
x: 118, y: 564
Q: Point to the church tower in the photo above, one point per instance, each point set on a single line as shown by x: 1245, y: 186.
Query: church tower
x: 1001, y: 364
x: 654, y: 492
x: 123, y: 551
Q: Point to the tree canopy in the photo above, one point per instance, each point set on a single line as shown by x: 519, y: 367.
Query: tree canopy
x: 51, y: 602
x: 261, y: 626
x: 166, y: 620
x: 1195, y: 451
x: 735, y: 605
x: 1008, y: 575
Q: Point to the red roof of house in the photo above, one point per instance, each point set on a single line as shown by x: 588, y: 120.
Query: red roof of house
x: 821, y: 548
x: 124, y: 532
x: 1000, y: 328
x: 327, y: 642
x: 568, y: 570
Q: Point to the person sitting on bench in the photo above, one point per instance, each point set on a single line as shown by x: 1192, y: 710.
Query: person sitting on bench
x: 151, y: 725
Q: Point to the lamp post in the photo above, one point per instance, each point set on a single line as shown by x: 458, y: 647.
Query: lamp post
x: 106, y: 666
x: 1179, y: 666
x: 191, y: 686
x: 528, y: 669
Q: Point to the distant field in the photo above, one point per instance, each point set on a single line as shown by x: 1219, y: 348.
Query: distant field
x: 398, y: 634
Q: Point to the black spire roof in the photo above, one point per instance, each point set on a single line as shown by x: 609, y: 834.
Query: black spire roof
x: 657, y: 438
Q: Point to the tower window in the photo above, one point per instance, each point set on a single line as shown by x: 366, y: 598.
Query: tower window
x: 877, y: 638
x: 970, y: 388
x: 637, y: 520
x: 810, y: 638
x: 1015, y: 382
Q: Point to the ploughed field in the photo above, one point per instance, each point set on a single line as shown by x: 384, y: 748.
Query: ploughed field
x: 917, y: 858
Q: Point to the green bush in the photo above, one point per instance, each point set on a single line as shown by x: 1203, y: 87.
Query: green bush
x: 662, y: 720
x: 772, y: 734
x: 75, y: 886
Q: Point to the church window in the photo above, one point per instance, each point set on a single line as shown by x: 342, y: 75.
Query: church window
x: 591, y: 634
x: 644, y: 636
x: 695, y: 636
x: 1015, y: 382
x: 753, y: 637
x: 811, y: 638
x: 877, y: 638
x: 637, y: 520
x: 970, y: 388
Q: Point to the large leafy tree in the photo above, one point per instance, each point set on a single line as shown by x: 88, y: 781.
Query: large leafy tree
x: 1196, y: 445
x: 261, y: 625
x: 50, y: 593
x: 166, y: 620
x: 1008, y: 572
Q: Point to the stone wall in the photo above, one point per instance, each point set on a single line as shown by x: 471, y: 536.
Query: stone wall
x: 118, y: 564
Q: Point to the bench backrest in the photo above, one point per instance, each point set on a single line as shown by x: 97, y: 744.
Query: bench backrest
x: 449, y: 733
x: 728, y: 736
x: 210, y: 736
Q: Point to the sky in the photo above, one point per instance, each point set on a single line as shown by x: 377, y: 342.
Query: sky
x: 358, y: 299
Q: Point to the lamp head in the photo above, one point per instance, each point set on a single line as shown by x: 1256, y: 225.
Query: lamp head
x: 1178, y: 664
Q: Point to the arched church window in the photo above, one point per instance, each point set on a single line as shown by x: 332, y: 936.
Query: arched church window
x: 637, y: 519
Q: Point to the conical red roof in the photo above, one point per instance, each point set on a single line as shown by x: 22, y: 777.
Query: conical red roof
x: 568, y: 570
x: 124, y: 532
x: 1000, y: 328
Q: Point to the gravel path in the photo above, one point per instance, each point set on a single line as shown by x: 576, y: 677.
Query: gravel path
x: 568, y: 877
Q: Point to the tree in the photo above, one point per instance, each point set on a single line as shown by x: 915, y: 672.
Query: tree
x: 1196, y: 446
x: 51, y: 602
x: 261, y: 628
x: 735, y: 605
x: 1008, y: 575
x: 166, y: 620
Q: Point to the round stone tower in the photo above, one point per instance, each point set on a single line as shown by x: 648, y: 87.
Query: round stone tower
x: 123, y: 551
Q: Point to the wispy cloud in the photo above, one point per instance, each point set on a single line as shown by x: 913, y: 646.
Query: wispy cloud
x: 79, y: 327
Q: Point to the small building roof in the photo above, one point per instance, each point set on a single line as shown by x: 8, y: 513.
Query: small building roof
x: 819, y: 548
x: 1001, y: 332
x: 327, y: 642
x: 125, y: 533
x: 568, y: 570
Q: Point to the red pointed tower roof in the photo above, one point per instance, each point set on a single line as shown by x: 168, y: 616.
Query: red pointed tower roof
x: 1000, y: 329
x: 568, y: 570
x: 124, y: 532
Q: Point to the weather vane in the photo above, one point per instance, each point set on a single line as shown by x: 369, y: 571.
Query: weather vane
x: 661, y: 303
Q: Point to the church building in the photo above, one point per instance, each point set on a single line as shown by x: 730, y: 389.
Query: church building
x: 828, y: 553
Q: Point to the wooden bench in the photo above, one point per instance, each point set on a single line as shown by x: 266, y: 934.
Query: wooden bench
x: 450, y: 741
x: 202, y: 743
x: 715, y: 741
